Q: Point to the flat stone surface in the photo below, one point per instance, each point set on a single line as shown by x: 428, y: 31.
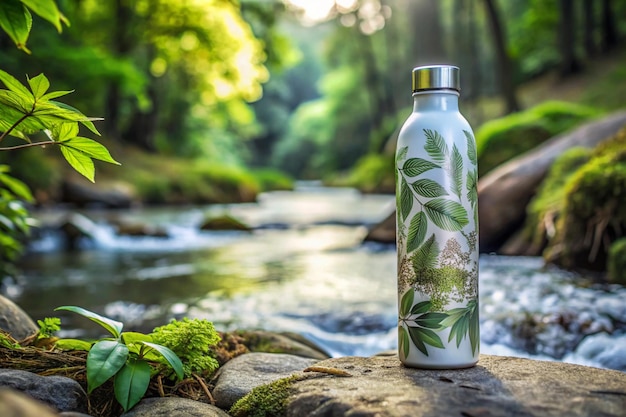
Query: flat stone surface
x: 497, y: 386
x: 240, y: 375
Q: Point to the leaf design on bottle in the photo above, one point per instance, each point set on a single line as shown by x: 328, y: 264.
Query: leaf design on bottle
x: 429, y: 188
x: 472, y: 192
x: 463, y: 322
x: 436, y: 146
x: 446, y: 214
x: 417, y: 231
x: 406, y: 199
x: 471, y: 147
x: 403, y: 341
x: 422, y: 337
x: 416, y: 166
x: 425, y: 256
x: 406, y: 303
x: 402, y: 153
x: 456, y: 172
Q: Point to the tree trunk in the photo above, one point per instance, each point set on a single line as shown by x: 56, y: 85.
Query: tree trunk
x: 425, y: 19
x: 567, y: 41
x: 609, y: 32
x: 505, y: 67
x: 589, y: 28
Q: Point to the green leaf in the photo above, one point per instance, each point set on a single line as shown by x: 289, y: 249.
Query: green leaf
x: 104, y: 360
x: 64, y: 131
x: 421, y: 307
x: 135, y: 338
x: 471, y: 147
x: 170, y: 356
x: 55, y: 94
x: 114, y: 327
x: 417, y: 231
x: 453, y: 316
x: 403, y: 342
x: 80, y: 162
x: 431, y: 320
x: 428, y: 188
x: 436, y: 146
x: 474, y: 332
x: 416, y: 166
x: 406, y: 199
x: 459, y: 329
x: 402, y: 153
x: 448, y: 215
x: 14, y: 85
x: 131, y: 383
x: 17, y: 187
x: 72, y: 344
x: 46, y: 9
x: 86, y: 121
x: 91, y: 148
x: 406, y: 303
x: 472, y: 191
x: 425, y: 257
x: 16, y: 101
x: 16, y: 21
x: 39, y: 85
x: 456, y: 172
x: 417, y: 341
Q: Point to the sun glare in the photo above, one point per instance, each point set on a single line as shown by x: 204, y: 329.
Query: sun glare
x: 313, y: 11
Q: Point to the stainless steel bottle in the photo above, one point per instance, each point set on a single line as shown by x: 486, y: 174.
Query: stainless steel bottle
x: 437, y: 227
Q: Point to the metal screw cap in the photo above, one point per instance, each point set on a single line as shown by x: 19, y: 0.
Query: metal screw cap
x: 436, y: 77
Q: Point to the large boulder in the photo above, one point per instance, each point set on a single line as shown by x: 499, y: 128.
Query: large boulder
x: 497, y: 386
x: 15, y: 321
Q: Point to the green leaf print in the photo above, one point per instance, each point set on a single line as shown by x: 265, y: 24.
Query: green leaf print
x: 425, y: 256
x: 416, y: 166
x: 471, y: 147
x: 448, y: 215
x: 422, y: 337
x: 431, y: 320
x: 406, y: 303
x: 428, y: 188
x: 463, y: 322
x: 417, y: 231
x: 472, y: 192
x: 421, y: 308
x: 402, y: 153
x: 406, y: 199
x: 456, y: 172
x: 403, y: 341
x: 436, y: 146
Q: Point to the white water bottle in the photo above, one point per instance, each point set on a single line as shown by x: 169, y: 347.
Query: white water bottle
x: 437, y: 227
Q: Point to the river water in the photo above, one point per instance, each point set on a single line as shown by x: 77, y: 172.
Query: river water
x: 304, y: 269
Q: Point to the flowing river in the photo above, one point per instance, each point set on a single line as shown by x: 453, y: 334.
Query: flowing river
x: 303, y: 269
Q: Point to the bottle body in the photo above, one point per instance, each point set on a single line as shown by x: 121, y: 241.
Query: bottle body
x: 437, y: 235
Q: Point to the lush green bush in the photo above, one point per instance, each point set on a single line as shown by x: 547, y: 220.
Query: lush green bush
x: 502, y: 139
x: 272, y: 179
x: 593, y: 215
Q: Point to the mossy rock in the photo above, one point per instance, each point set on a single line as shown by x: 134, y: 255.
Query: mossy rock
x: 593, y: 215
x: 507, y: 137
x: 616, y: 264
x: 224, y: 222
x: 268, y: 400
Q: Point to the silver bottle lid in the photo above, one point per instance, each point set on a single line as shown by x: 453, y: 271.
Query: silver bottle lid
x: 436, y: 77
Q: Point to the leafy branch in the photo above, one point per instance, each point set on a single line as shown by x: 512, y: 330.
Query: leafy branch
x: 24, y: 111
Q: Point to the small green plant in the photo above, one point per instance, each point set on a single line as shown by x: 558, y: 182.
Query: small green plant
x: 191, y: 340
x: 125, y: 357
x: 48, y: 326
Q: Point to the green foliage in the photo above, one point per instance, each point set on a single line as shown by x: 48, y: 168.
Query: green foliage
x: 15, y: 221
x: 616, y: 264
x: 16, y: 19
x: 272, y: 180
x: 25, y: 111
x: 268, y: 400
x: 502, y: 139
x: 48, y: 326
x: 125, y: 358
x: 373, y: 173
x: 192, y: 341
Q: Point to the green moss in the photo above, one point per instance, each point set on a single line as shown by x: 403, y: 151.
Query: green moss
x: 616, y: 264
x: 223, y: 222
x: 593, y: 212
x: 502, y: 139
x: 272, y: 179
x: 543, y: 209
x: 268, y: 400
